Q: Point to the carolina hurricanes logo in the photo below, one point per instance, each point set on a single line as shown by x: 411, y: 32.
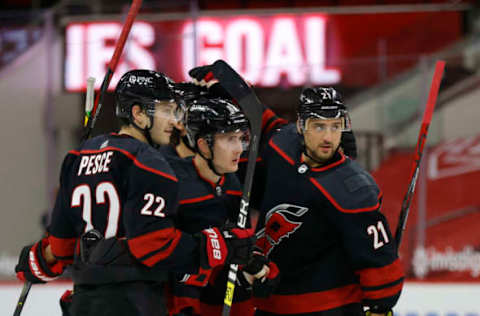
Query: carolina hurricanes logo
x: 279, y: 224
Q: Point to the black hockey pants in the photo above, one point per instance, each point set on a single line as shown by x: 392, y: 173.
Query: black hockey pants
x: 119, y: 299
x: 347, y: 310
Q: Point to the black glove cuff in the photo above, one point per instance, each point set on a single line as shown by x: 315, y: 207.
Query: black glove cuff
x: 255, y: 264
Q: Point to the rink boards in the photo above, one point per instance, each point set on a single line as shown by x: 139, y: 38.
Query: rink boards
x: 418, y: 299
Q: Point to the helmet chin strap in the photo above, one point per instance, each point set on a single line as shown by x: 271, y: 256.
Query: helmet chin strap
x: 210, y: 160
x: 146, y: 131
x: 212, y: 167
x: 305, y: 152
x: 187, y: 143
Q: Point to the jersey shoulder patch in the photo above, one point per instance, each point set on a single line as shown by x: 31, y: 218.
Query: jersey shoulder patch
x: 349, y: 188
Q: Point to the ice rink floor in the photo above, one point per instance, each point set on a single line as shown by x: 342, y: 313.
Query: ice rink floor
x: 418, y: 299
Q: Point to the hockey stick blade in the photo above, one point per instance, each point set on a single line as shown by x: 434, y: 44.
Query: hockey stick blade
x: 422, y: 137
x: 23, y: 297
x: 233, y: 83
x: 132, y: 13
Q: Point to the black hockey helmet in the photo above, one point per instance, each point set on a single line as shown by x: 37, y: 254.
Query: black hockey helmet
x: 189, y: 91
x: 323, y: 103
x: 186, y: 92
x: 206, y: 117
x: 142, y: 87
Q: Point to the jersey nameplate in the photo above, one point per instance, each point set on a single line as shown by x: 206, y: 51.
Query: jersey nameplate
x: 93, y: 164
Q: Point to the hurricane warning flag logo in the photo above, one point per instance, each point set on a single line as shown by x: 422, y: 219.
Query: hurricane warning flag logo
x: 280, y: 222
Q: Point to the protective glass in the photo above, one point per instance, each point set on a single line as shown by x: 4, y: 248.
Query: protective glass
x: 344, y: 126
x: 232, y: 139
x: 169, y: 110
x: 320, y: 126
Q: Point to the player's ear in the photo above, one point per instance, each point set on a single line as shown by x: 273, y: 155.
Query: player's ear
x: 203, y: 147
x: 139, y: 116
x: 299, y: 127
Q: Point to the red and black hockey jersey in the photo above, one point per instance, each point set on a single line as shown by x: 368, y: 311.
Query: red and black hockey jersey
x: 123, y: 188
x: 324, y: 229
x: 204, y: 204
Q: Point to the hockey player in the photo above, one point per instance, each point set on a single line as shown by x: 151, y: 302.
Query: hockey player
x: 114, y: 209
x: 321, y: 221
x: 320, y: 215
x: 209, y: 195
x: 179, y: 145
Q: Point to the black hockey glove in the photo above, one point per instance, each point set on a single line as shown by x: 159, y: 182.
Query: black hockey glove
x: 225, y: 246
x: 255, y: 265
x: 33, y: 267
x: 203, y: 76
x: 261, y: 287
x: 240, y: 243
x: 264, y: 287
x: 349, y: 145
x: 66, y: 302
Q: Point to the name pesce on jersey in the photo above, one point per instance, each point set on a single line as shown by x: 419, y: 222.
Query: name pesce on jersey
x: 93, y: 164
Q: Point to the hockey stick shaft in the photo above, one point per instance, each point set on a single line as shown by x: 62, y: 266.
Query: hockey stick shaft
x: 91, y: 117
x: 132, y: 13
x: 89, y: 99
x: 422, y: 137
x: 246, y: 98
x: 23, y: 297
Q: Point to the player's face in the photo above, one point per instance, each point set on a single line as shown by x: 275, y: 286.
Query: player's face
x: 322, y: 137
x: 227, y: 149
x: 165, y: 118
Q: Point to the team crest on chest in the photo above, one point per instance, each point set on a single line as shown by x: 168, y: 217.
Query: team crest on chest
x: 280, y: 222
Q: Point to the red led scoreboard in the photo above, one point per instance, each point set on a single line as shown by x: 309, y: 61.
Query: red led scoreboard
x: 269, y: 50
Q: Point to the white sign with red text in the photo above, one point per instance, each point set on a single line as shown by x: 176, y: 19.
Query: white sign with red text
x: 286, y: 49
x: 266, y: 56
x: 455, y: 157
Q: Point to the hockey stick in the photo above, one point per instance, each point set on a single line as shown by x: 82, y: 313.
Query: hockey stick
x: 422, y: 137
x: 91, y: 118
x: 92, y: 114
x: 89, y: 99
x: 88, y: 108
x: 23, y: 297
x: 246, y: 98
